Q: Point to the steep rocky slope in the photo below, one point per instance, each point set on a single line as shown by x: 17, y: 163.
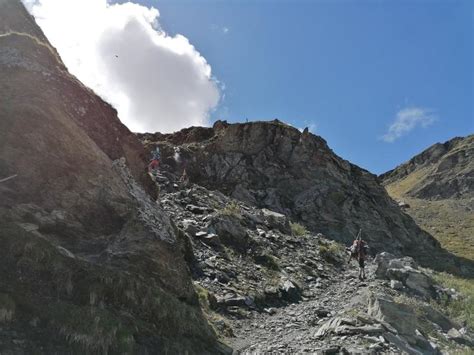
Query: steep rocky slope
x: 90, y: 263
x: 438, y: 185
x: 269, y: 285
x: 272, y: 165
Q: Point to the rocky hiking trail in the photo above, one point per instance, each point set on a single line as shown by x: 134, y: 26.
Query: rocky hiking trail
x: 267, y: 285
x: 352, y: 316
x: 293, y: 329
x: 274, y: 279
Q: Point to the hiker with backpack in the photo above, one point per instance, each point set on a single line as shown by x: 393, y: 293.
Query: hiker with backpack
x: 359, y: 251
x: 155, y: 161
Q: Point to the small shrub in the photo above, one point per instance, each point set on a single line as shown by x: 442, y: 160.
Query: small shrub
x: 330, y: 252
x: 203, y: 296
x: 232, y: 209
x: 269, y: 261
x: 298, y: 229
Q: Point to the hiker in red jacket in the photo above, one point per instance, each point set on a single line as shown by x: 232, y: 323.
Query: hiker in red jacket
x: 155, y: 161
x: 154, y: 165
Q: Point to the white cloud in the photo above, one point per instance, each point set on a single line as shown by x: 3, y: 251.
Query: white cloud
x: 223, y: 29
x: 156, y: 82
x: 406, y: 120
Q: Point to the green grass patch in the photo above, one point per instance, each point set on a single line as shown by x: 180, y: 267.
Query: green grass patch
x: 463, y: 308
x: 219, y: 324
x: 448, y: 220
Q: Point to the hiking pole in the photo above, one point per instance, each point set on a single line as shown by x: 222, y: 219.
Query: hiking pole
x: 9, y: 178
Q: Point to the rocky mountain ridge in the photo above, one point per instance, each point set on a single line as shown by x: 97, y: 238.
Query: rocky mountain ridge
x: 438, y: 187
x: 444, y: 170
x: 275, y: 166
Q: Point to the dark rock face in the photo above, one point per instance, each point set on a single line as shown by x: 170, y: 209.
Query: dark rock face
x: 89, y: 261
x: 444, y: 170
x: 272, y: 165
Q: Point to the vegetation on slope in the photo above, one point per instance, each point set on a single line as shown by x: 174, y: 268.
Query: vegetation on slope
x: 451, y: 221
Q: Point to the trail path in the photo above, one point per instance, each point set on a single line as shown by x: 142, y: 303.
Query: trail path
x: 292, y: 329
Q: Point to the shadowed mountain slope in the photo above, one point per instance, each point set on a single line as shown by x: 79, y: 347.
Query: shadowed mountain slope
x: 90, y: 263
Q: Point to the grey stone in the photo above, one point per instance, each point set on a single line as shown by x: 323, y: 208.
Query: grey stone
x: 231, y: 301
x: 276, y: 220
x: 290, y: 291
x: 401, y: 344
x: 197, y: 209
x: 189, y: 226
x: 396, y: 285
x: 405, y: 262
x: 421, y: 284
x: 460, y: 338
x: 231, y: 232
x: 382, y: 260
x: 398, y: 315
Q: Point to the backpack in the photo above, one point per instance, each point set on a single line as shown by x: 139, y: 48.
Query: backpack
x: 359, y: 248
x: 156, y: 155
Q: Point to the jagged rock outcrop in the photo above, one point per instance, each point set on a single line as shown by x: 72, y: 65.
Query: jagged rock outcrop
x: 90, y: 263
x: 275, y: 166
x: 444, y: 170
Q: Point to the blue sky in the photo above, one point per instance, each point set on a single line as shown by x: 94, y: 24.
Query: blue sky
x: 344, y: 68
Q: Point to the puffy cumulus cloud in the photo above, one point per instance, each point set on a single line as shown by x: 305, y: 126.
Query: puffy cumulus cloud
x: 406, y: 120
x: 156, y: 82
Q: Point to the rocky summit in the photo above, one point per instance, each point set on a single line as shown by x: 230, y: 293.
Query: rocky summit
x: 275, y: 166
x: 235, y: 244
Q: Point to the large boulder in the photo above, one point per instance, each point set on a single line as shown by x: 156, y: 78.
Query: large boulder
x: 406, y: 271
x: 290, y: 291
x: 276, y: 220
x: 231, y: 231
x: 382, y: 261
x: 403, y: 318
x: 421, y: 284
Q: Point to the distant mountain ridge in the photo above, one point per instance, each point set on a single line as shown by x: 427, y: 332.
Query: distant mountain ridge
x: 438, y: 185
x: 444, y: 170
